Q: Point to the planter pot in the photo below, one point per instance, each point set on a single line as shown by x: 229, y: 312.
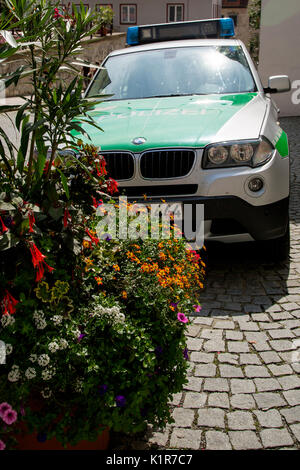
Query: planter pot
x: 28, y: 441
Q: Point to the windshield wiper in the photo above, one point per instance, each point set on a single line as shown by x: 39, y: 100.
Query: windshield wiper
x: 175, y: 94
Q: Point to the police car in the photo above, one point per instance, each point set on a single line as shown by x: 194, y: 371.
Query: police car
x: 187, y: 119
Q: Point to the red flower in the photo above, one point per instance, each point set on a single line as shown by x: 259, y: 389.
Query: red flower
x: 101, y: 170
x: 94, y: 239
x: 8, y: 304
x: 31, y: 221
x: 57, y: 14
x: 3, y: 227
x: 95, y: 203
x: 38, y: 262
x: 112, y: 186
x: 67, y: 217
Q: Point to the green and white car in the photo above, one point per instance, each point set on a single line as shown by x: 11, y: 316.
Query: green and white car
x: 189, y: 120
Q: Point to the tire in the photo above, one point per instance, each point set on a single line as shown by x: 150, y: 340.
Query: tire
x: 278, y: 249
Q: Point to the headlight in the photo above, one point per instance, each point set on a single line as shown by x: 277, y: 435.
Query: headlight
x: 244, y: 153
x: 217, y: 155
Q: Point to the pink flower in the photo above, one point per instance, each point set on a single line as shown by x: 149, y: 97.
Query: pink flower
x: 197, y: 308
x: 3, y: 408
x: 181, y: 317
x: 2, y: 445
x: 10, y: 416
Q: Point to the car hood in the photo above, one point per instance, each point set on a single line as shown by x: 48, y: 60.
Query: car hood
x: 185, y: 121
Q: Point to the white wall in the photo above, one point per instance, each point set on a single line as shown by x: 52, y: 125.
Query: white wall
x: 155, y: 11
x: 279, y: 49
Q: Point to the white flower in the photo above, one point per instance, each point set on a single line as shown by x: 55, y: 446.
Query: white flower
x: 43, y: 360
x: 7, y: 320
x: 113, y: 314
x: 48, y: 373
x: 83, y: 352
x: 39, y: 319
x: 14, y: 375
x: 76, y: 333
x: 30, y: 373
x: 8, y: 349
x: 33, y: 357
x: 121, y: 317
x: 53, y: 347
x: 46, y: 393
x: 57, y: 319
x: 41, y: 325
x: 63, y: 343
x: 78, y: 386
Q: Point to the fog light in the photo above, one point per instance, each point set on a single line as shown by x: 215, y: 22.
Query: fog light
x: 255, y: 185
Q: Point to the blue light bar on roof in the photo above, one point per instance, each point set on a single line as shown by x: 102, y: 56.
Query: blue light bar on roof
x: 200, y: 29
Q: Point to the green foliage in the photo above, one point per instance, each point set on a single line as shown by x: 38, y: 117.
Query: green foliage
x: 92, y: 327
x: 255, y: 14
x: 254, y: 23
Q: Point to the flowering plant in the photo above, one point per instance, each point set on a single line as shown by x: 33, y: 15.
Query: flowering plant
x: 93, y: 328
x: 111, y: 355
x: 8, y: 416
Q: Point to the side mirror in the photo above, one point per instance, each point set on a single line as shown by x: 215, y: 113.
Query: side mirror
x: 278, y: 84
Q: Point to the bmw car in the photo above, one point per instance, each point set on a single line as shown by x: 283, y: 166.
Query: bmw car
x: 186, y: 118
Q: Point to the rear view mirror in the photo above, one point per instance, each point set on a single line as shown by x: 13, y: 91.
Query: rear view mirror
x: 278, y: 84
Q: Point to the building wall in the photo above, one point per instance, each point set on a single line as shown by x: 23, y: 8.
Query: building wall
x: 279, y: 43
x: 155, y: 11
x: 242, y: 27
x: 239, y: 8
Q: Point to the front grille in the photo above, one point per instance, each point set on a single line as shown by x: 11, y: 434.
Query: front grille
x: 167, y: 164
x: 166, y: 190
x: 119, y: 165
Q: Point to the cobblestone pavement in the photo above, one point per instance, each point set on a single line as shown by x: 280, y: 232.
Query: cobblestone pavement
x: 243, y: 388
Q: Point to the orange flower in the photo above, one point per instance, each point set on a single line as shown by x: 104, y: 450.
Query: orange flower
x: 98, y: 280
x: 124, y: 294
x: 88, y: 261
x: 116, y: 267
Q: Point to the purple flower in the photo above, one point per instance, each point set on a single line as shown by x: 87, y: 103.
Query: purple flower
x: 197, y: 308
x: 174, y: 304
x: 185, y: 354
x: 3, y: 408
x: 108, y: 238
x: 80, y: 337
x: 41, y: 437
x: 158, y: 351
x: 120, y: 401
x: 10, y: 416
x: 103, y: 389
x: 2, y: 445
x: 182, y: 318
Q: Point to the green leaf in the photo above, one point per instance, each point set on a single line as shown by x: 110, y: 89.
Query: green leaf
x: 64, y: 183
x: 20, y: 113
x: 23, y: 146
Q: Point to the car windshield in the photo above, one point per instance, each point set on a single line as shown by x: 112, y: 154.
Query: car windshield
x: 174, y: 72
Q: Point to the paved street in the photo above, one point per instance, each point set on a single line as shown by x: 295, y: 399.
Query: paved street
x: 243, y: 388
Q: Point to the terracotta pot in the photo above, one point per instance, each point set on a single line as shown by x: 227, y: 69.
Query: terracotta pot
x: 28, y: 441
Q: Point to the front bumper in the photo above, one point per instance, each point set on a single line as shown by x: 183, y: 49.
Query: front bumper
x: 230, y: 218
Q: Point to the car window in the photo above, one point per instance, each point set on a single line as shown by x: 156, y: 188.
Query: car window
x: 174, y: 71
